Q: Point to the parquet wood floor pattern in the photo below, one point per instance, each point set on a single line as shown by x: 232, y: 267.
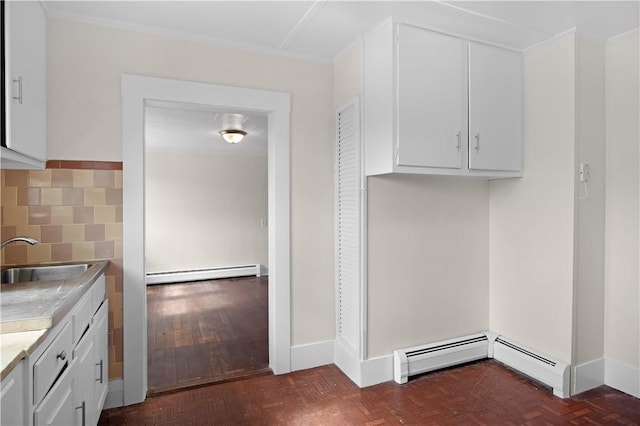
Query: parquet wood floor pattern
x: 482, y: 393
x: 206, y: 331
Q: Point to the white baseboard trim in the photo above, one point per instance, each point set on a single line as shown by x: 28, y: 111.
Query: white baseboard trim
x: 376, y: 370
x: 588, y: 375
x: 312, y: 355
x: 348, y: 362
x: 621, y: 376
x: 363, y: 373
x: 115, y: 395
x: 205, y: 274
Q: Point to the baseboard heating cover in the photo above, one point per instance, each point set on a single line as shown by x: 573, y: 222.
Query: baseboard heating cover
x: 422, y: 359
x: 434, y: 356
x: 541, y: 367
x: 204, y: 274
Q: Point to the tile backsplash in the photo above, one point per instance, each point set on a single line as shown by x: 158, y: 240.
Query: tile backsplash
x: 74, y: 208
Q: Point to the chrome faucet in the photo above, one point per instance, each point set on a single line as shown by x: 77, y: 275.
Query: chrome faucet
x: 29, y: 240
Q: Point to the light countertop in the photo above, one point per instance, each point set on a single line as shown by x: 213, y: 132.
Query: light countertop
x: 16, y: 346
x: 30, y: 310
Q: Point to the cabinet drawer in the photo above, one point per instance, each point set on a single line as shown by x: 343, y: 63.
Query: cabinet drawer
x: 98, y: 291
x: 52, y: 361
x: 81, y: 317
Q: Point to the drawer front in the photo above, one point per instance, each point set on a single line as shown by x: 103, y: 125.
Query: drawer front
x: 98, y: 291
x: 51, y: 362
x: 81, y: 317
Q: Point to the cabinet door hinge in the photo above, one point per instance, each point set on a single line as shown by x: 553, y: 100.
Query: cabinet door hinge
x: 397, y: 154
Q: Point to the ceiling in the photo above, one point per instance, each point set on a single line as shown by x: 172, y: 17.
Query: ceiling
x: 187, y: 128
x: 321, y: 30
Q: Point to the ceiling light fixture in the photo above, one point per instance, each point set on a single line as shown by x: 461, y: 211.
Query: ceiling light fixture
x: 233, y: 135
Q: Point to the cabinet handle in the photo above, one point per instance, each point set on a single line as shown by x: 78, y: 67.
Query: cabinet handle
x: 62, y: 356
x: 477, y: 147
x: 459, y: 138
x: 101, y: 374
x: 83, y: 407
x: 19, y: 97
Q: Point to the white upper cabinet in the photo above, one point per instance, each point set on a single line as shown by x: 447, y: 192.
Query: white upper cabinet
x: 495, y: 108
x: 25, y: 32
x: 430, y: 127
x: 438, y: 104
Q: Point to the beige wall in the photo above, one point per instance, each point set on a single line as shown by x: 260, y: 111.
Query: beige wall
x: 532, y: 219
x: 347, y: 74
x: 85, y: 64
x: 205, y: 211
x: 589, y: 225
x: 622, y: 201
x: 428, y: 260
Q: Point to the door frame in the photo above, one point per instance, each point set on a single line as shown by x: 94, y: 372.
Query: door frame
x: 136, y: 89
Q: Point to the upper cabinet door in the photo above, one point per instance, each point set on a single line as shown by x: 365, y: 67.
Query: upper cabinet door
x: 430, y: 79
x: 26, y: 62
x: 495, y: 109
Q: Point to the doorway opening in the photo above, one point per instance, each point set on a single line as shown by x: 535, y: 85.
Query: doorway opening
x: 206, y: 209
x: 136, y: 91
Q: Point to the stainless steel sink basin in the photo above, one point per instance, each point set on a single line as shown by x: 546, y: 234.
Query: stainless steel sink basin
x: 40, y: 273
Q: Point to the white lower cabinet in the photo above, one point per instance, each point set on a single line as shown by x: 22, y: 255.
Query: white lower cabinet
x: 68, y: 386
x: 84, y: 355
x: 90, y: 356
x: 58, y: 407
x: 101, y: 361
x: 12, y: 397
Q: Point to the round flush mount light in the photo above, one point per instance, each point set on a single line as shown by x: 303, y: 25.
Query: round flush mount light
x: 233, y: 135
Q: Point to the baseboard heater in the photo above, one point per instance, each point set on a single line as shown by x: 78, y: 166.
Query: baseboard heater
x: 422, y: 359
x: 541, y: 367
x: 204, y: 274
x: 434, y: 356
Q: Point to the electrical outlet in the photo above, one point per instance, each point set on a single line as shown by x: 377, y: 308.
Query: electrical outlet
x: 583, y: 172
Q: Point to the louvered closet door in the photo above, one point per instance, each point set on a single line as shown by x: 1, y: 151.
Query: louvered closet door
x: 348, y: 218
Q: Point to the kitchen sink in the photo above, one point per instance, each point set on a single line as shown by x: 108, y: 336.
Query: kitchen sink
x: 42, y: 273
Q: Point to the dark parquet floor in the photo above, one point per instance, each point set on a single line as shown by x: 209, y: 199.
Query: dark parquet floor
x: 482, y: 393
x: 206, y: 331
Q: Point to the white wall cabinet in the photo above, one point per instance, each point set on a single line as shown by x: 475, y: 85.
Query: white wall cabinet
x: 495, y: 109
x: 25, y: 31
x: 437, y: 104
x: 430, y: 112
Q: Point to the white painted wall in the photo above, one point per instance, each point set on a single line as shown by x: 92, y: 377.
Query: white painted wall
x: 622, y: 255
x: 532, y: 219
x: 85, y: 63
x: 589, y: 225
x: 205, y: 211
